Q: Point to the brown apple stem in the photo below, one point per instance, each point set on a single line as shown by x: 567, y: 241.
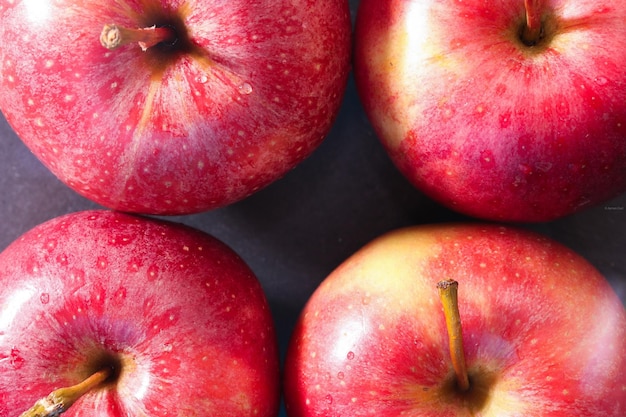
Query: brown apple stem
x: 448, y: 290
x: 61, y: 399
x: 114, y: 36
x: 533, y: 30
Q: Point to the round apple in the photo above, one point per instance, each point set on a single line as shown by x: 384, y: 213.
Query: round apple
x: 538, y: 331
x: 512, y: 111
x: 197, y: 105
x: 134, y: 317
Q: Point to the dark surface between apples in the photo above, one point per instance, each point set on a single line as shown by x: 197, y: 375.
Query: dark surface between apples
x: 296, y: 231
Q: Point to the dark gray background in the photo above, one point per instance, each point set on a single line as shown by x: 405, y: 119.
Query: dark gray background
x: 296, y: 231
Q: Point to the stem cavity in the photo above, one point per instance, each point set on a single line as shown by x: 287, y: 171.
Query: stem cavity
x: 532, y: 32
x: 448, y: 290
x: 58, y: 401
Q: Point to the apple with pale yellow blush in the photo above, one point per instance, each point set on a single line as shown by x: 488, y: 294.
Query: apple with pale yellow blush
x: 460, y: 320
x: 511, y: 111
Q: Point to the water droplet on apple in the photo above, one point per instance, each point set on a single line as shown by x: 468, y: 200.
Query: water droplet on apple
x: 601, y: 80
x: 202, y: 79
x: 543, y: 166
x: 15, y: 359
x: 245, y: 88
x: 525, y: 169
x: 340, y: 375
x: 350, y: 356
x: 329, y: 399
x: 44, y: 298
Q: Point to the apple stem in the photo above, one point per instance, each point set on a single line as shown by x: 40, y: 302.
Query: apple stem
x: 448, y: 292
x: 533, y: 30
x: 114, y: 36
x: 61, y: 399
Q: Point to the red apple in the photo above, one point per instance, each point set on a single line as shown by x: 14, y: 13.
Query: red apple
x: 175, y: 317
x: 543, y: 333
x: 227, y: 97
x: 494, y: 114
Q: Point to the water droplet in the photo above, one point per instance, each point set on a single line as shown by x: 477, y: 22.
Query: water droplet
x: 202, y: 79
x: 340, y: 375
x: 329, y: 399
x: 526, y: 170
x: 543, y: 166
x: 16, y: 360
x: 601, y: 80
x: 245, y: 88
x: 44, y: 298
x: 350, y: 356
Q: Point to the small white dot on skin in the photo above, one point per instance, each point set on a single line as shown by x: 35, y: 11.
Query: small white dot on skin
x: 49, y: 63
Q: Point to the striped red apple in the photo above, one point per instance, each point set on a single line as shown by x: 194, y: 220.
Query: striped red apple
x: 538, y: 331
x: 226, y: 97
x: 512, y: 110
x: 108, y: 314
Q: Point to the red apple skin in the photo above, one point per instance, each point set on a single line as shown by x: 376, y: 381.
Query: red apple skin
x: 486, y: 125
x: 252, y: 90
x: 544, y: 333
x: 182, y: 312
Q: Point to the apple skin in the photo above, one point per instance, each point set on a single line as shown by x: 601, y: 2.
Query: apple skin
x: 180, y: 313
x: 544, y: 332
x: 252, y: 88
x: 486, y: 125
